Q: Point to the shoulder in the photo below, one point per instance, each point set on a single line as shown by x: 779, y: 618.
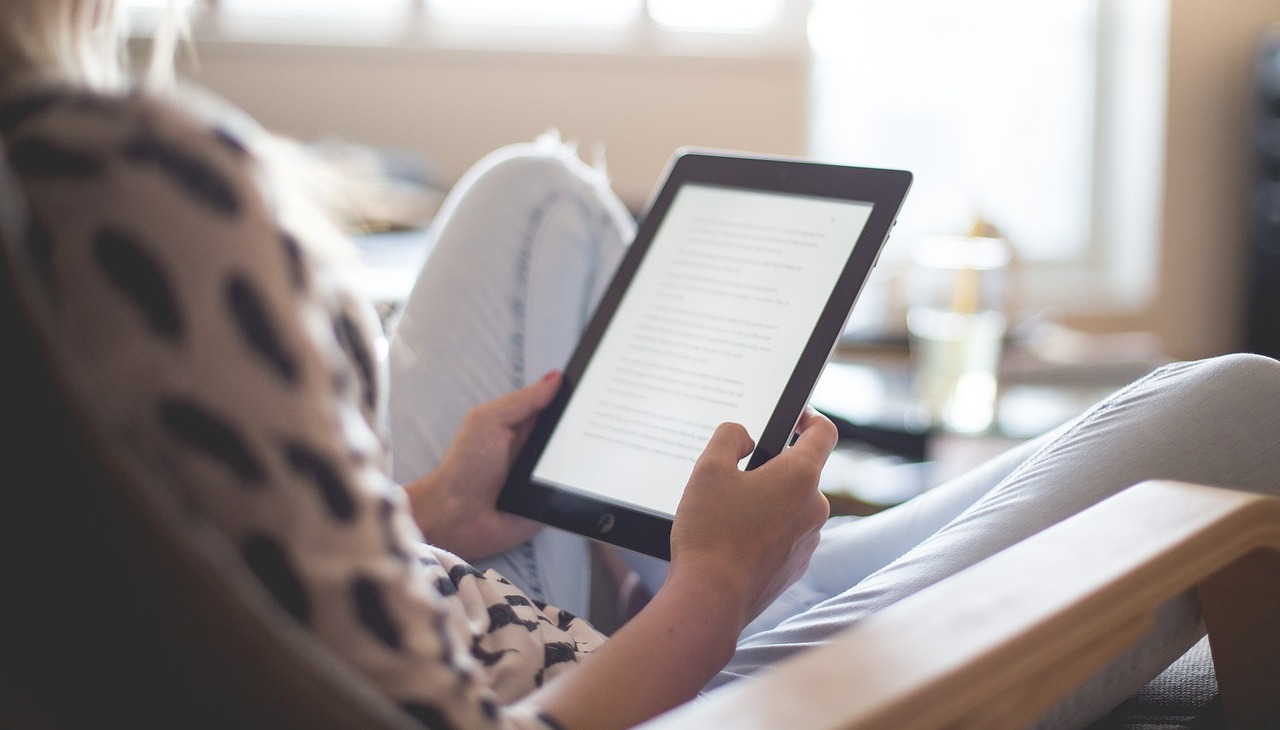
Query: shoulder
x: 130, y: 193
x: 148, y: 243
x: 85, y: 117
x: 62, y: 136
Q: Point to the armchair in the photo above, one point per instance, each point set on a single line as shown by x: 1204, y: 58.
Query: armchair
x: 122, y: 607
x: 998, y: 644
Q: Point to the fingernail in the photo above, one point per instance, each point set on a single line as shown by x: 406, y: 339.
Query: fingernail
x: 551, y: 374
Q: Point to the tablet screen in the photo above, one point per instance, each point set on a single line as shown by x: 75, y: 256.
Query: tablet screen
x: 710, y: 330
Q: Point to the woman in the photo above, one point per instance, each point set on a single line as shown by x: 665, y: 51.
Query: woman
x: 200, y: 304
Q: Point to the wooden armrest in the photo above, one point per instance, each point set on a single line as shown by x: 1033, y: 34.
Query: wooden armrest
x: 998, y: 644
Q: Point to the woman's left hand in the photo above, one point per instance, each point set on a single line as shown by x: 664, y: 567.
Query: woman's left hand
x: 455, y: 505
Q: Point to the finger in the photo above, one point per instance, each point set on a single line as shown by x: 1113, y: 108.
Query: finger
x: 730, y: 442
x: 520, y: 405
x: 821, y: 511
x: 816, y: 436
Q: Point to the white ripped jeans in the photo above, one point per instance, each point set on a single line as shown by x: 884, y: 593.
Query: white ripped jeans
x: 524, y: 246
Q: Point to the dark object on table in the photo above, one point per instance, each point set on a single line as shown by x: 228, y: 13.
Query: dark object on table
x: 910, y: 445
x: 1264, y: 209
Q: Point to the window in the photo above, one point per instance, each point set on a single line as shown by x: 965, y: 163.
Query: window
x: 702, y: 15
x: 713, y: 28
x: 1045, y: 118
x: 989, y: 102
x: 309, y: 7
x: 545, y: 12
x: 720, y: 15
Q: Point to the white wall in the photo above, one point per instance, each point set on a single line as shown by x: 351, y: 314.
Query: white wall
x: 456, y: 105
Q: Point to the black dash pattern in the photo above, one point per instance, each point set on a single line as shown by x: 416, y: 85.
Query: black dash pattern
x: 446, y: 587
x: 249, y: 310
x: 194, y: 176
x: 558, y: 652
x: 353, y: 343
x: 141, y: 278
x: 371, y: 609
x: 15, y: 113
x: 564, y: 619
x: 386, y: 523
x: 487, y: 658
x: 35, y: 157
x: 550, y: 721
x: 230, y: 142
x: 269, y: 562
x: 502, y: 615
x: 489, y: 706
x: 458, y: 572
x: 321, y: 473
x: 429, y: 716
x: 294, y: 261
x: 199, y: 428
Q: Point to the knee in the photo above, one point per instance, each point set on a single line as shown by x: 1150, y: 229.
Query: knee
x: 532, y: 176
x: 1239, y: 376
x: 1243, y: 370
x: 543, y: 167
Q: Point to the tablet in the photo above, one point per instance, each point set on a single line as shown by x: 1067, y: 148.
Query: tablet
x: 726, y: 307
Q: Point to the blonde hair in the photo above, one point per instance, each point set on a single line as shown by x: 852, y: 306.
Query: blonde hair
x: 82, y: 41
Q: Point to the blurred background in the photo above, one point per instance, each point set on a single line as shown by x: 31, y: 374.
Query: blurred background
x: 1124, y: 154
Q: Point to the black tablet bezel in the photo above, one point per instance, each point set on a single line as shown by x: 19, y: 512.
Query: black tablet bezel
x: 642, y: 531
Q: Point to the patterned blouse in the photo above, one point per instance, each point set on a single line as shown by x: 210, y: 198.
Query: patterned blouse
x: 193, y: 294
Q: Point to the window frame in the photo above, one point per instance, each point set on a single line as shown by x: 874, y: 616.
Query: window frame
x: 412, y: 25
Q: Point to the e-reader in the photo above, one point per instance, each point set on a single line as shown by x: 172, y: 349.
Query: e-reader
x: 726, y: 307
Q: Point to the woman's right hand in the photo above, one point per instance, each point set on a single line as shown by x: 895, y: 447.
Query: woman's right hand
x: 738, y: 540
x: 753, y: 532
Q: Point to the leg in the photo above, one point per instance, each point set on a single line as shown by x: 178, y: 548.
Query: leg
x: 1212, y: 421
x: 851, y: 550
x: 523, y: 247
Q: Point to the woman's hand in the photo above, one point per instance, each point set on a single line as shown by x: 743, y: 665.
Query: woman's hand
x: 739, y: 538
x: 752, y: 533
x: 455, y: 505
